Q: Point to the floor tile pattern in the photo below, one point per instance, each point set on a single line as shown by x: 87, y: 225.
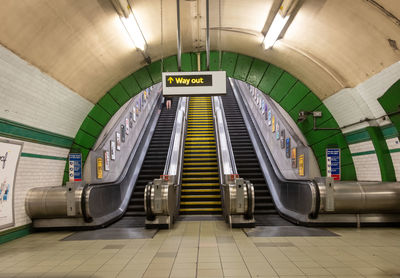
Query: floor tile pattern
x: 206, y: 249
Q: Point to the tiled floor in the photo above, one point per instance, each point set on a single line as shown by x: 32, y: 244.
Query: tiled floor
x: 206, y: 249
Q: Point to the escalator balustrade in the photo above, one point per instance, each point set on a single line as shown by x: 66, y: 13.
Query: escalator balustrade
x: 154, y: 162
x: 246, y: 160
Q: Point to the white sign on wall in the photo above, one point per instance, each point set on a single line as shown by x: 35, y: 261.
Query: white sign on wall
x: 9, y: 156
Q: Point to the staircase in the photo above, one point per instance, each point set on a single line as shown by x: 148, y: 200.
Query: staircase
x: 200, y: 181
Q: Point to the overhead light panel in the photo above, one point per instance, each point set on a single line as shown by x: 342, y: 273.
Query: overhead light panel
x: 132, y: 27
x: 275, y: 30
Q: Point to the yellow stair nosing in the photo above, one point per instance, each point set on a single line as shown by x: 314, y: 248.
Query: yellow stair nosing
x: 201, y: 203
x: 200, y: 196
x: 200, y: 173
x: 200, y: 209
x: 201, y: 184
x: 200, y: 179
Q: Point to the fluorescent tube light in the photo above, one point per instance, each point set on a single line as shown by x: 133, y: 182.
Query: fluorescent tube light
x: 134, y: 31
x: 275, y: 30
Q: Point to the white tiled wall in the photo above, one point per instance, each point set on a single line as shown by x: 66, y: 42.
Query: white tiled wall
x: 30, y: 97
x: 367, y: 166
x: 394, y: 144
x: 351, y: 105
x: 35, y: 172
x: 33, y: 98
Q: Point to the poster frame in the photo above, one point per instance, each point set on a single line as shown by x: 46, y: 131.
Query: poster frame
x: 12, y: 223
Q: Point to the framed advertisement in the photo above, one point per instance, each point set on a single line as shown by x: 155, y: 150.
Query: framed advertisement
x: 118, y: 140
x: 294, y: 158
x: 269, y: 117
x: 99, y: 163
x: 273, y: 124
x: 266, y: 111
x: 287, y: 147
x: 130, y: 120
x: 126, y: 126
x: 9, y: 159
x: 123, y: 133
x: 112, y: 150
x: 301, y: 165
x: 106, y: 161
x: 134, y: 114
x: 277, y: 131
x: 282, y: 141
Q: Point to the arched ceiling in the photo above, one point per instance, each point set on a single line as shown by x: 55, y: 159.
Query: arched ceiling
x: 330, y: 44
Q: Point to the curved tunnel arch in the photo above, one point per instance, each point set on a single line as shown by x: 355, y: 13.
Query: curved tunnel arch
x: 291, y: 94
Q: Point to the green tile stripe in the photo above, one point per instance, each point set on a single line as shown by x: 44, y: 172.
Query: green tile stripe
x: 15, y: 233
x: 389, y: 131
x: 363, y: 153
x: 43, y: 156
x: 372, y: 152
x: 20, y: 131
x: 362, y: 135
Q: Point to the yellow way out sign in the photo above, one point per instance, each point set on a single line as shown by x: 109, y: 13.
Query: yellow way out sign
x: 194, y: 83
x: 189, y: 80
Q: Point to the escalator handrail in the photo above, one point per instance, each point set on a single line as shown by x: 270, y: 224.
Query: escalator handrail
x: 226, y: 159
x: 173, y: 164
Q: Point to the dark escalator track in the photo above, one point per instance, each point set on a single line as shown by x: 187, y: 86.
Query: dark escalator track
x: 246, y: 160
x: 153, y: 165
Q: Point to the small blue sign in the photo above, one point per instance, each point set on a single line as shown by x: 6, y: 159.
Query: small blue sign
x: 288, y: 147
x: 75, y: 167
x: 333, y: 163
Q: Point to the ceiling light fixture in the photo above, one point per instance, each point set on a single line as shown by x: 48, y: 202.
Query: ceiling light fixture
x: 133, y: 29
x: 275, y: 30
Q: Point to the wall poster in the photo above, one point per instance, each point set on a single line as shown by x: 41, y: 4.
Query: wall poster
x: 126, y: 126
x: 130, y: 120
x: 266, y: 111
x: 9, y: 157
x: 112, y: 149
x: 287, y: 147
x: 106, y: 161
x: 269, y: 117
x: 99, y: 162
x: 282, y: 139
x: 123, y: 133
x: 273, y: 124
x: 277, y: 131
x: 118, y: 140
x: 75, y: 166
x: 134, y: 114
x: 294, y: 157
x: 301, y: 165
x: 333, y: 163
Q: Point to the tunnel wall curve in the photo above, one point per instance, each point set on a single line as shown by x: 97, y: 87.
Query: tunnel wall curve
x: 291, y: 94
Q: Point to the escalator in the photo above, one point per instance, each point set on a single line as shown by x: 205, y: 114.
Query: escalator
x: 246, y: 160
x: 154, y: 162
x: 200, y: 192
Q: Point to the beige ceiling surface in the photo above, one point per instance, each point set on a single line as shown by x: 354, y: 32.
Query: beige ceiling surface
x: 330, y: 44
